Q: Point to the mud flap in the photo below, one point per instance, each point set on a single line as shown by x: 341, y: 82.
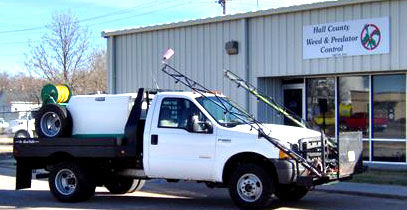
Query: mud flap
x: 350, y: 153
x: 23, y: 175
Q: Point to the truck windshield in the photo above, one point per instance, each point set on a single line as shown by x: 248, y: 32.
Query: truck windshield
x: 216, y: 108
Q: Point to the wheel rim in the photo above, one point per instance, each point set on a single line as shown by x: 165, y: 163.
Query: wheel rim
x: 65, y: 182
x: 249, y: 187
x: 50, y: 124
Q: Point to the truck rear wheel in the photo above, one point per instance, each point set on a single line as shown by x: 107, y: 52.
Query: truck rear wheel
x: 124, y: 185
x: 53, y: 120
x: 291, y: 192
x: 251, y: 187
x: 69, y: 182
x: 22, y: 134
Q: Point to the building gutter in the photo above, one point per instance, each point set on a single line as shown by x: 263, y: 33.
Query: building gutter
x: 236, y: 17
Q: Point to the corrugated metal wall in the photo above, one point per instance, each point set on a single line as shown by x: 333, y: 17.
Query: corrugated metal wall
x: 274, y: 49
x: 276, y: 41
x: 270, y: 87
x: 199, y: 53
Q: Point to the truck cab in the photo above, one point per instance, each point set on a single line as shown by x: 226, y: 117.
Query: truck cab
x: 188, y: 136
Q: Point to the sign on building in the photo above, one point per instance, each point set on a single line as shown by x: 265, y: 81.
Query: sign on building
x: 358, y: 37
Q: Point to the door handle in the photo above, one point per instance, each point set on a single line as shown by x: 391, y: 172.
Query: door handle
x: 154, y: 139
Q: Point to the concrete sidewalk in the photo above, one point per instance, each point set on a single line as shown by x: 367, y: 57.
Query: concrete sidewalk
x: 6, y: 148
x: 364, y: 189
x: 6, y: 141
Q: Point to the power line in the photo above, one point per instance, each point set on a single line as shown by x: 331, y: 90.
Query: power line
x: 8, y: 43
x: 149, y: 12
x: 22, y: 30
x: 143, y: 6
x: 119, y: 12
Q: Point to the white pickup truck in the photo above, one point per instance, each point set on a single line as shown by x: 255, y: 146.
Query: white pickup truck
x: 176, y: 136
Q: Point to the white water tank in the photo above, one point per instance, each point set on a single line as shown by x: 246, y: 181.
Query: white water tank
x: 100, y: 115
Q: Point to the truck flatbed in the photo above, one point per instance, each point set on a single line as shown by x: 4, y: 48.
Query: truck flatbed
x: 76, y: 147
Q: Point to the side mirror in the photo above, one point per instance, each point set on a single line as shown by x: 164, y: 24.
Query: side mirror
x: 197, y: 126
x: 209, y: 126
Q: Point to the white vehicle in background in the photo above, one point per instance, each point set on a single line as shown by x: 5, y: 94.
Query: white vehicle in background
x: 3, y: 125
x: 23, y: 127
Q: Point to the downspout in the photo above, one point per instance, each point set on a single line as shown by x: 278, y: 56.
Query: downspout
x: 111, y: 54
x: 245, y: 54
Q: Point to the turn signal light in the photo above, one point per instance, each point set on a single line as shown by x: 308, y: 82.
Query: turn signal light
x: 283, y: 156
x: 215, y: 92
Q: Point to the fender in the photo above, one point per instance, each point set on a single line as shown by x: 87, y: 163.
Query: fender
x: 256, y: 154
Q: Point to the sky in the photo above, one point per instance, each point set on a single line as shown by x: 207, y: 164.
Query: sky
x: 22, y: 21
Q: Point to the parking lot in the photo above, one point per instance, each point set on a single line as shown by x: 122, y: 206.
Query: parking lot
x: 159, y: 194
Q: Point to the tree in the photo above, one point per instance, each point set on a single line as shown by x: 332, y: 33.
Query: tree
x: 94, y: 79
x: 62, y: 53
x: 19, y: 88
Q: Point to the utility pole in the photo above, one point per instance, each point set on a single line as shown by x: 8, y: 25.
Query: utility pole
x: 223, y: 4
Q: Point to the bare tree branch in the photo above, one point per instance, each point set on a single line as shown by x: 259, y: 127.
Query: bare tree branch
x: 62, y: 52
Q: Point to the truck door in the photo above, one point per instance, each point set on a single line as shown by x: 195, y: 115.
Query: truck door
x: 182, y: 142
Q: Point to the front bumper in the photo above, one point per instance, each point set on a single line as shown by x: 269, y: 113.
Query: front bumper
x: 288, y: 171
x: 339, y: 162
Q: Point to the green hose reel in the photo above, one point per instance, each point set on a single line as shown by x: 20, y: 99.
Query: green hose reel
x: 55, y: 94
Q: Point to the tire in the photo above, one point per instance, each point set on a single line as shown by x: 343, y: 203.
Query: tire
x: 124, y: 185
x: 69, y: 182
x: 291, y: 192
x: 251, y: 187
x: 22, y: 134
x: 52, y: 121
x: 139, y: 186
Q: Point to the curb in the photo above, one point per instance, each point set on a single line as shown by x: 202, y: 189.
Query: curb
x: 365, y: 194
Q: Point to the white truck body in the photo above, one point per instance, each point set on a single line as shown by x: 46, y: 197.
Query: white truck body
x: 180, y: 136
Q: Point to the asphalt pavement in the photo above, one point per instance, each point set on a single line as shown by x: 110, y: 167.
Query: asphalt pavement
x: 158, y: 194
x: 182, y: 193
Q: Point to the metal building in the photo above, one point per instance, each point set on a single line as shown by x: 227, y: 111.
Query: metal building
x: 349, y: 55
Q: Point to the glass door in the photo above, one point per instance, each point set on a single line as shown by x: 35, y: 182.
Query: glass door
x: 294, y: 101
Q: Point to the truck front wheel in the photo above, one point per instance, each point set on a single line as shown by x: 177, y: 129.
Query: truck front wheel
x: 251, y: 187
x: 291, y: 192
x: 69, y: 182
x: 124, y: 185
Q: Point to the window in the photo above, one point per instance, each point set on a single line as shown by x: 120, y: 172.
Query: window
x: 179, y: 113
x: 389, y: 106
x: 354, y: 104
x: 216, y: 108
x: 389, y: 151
x: 374, y: 105
x: 321, y: 104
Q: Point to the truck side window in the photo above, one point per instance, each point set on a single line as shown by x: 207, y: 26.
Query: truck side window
x: 178, y: 113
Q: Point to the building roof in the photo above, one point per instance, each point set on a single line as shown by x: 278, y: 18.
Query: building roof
x: 313, y: 6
